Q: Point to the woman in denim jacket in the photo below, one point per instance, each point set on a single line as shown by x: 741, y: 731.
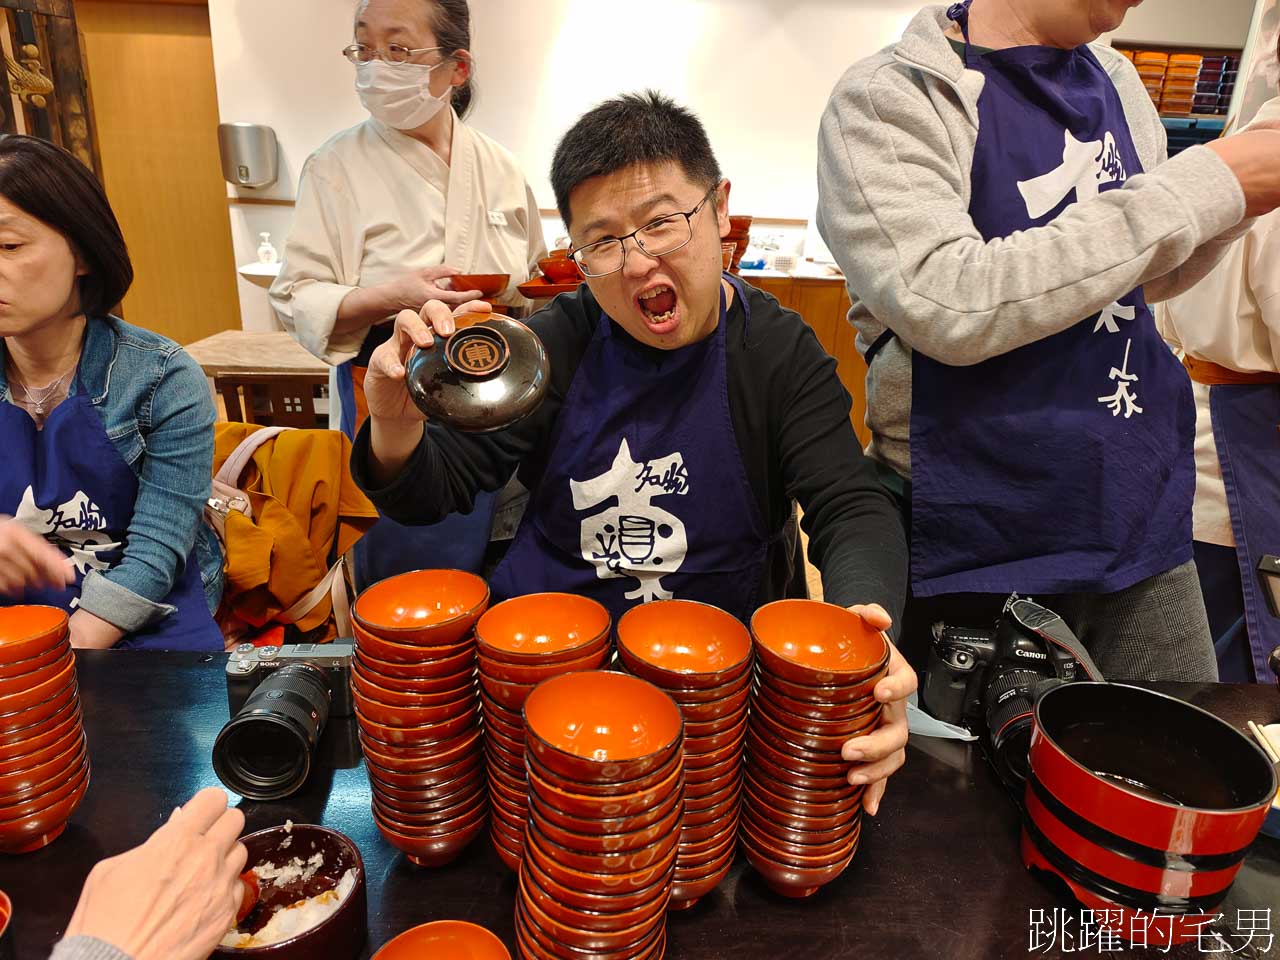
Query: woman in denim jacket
x: 106, y: 430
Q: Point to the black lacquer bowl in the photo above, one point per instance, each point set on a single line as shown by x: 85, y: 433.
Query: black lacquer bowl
x: 490, y: 374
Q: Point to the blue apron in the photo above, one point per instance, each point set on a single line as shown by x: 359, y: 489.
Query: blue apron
x: 645, y: 496
x: 1065, y: 465
x: 1245, y: 419
x: 457, y: 542
x: 69, y: 482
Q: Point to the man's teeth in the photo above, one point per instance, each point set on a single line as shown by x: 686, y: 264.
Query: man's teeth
x: 649, y: 296
x: 655, y: 292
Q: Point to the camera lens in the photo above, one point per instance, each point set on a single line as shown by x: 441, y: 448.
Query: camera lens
x: 1010, y: 706
x: 265, y: 751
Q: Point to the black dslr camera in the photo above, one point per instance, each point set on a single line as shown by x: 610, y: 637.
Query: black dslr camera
x: 280, y: 700
x: 988, y: 680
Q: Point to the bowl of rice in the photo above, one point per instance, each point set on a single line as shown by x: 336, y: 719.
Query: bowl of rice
x: 311, y: 897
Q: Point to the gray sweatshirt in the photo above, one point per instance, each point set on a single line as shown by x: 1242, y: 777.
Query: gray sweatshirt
x: 894, y: 156
x: 86, y: 948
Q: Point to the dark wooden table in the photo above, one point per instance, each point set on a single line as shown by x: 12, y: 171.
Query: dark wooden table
x: 937, y: 874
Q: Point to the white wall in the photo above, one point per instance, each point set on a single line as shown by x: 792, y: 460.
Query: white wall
x: 1214, y: 23
x: 758, y: 72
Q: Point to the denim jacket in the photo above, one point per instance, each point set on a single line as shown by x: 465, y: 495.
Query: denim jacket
x: 157, y: 411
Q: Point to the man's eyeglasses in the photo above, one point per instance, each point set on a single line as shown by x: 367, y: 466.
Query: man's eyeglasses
x: 394, y: 53
x: 655, y: 239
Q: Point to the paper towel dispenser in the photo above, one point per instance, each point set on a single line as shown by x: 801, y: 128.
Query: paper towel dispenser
x: 250, y: 157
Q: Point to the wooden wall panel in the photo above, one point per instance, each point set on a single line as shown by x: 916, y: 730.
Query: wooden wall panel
x: 151, y: 73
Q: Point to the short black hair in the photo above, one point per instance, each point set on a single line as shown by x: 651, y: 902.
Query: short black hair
x: 633, y: 128
x: 50, y: 184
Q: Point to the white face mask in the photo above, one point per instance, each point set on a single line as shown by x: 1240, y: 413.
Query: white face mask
x: 397, y: 93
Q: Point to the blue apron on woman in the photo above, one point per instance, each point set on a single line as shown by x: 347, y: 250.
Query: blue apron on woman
x: 1065, y: 465
x: 70, y: 482
x: 457, y: 542
x: 645, y: 496
x: 1246, y: 431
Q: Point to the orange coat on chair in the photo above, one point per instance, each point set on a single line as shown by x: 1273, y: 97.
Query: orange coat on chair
x: 306, y: 513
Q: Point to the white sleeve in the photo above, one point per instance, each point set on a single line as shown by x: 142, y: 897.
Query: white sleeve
x: 321, y: 266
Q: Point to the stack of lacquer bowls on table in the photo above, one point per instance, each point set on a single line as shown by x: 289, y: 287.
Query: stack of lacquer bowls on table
x: 816, y: 669
x: 605, y: 766
x: 417, y: 705
x: 520, y: 643
x: 44, y: 759
x: 701, y: 656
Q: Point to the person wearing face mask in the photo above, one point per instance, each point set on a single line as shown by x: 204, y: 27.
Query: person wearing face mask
x: 996, y: 188
x: 685, y: 414
x: 387, y: 212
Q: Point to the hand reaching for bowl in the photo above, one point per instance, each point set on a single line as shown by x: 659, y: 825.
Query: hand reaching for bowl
x: 880, y: 753
x: 395, y: 422
x: 176, y: 895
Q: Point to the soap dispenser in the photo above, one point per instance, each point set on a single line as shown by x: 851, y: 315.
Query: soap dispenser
x: 266, y: 252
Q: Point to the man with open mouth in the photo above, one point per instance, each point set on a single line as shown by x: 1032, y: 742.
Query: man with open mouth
x: 686, y: 414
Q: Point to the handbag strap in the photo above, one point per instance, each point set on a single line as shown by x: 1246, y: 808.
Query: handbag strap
x: 334, y: 583
x: 233, y: 466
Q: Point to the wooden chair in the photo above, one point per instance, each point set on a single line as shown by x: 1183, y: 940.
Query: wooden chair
x: 273, y: 399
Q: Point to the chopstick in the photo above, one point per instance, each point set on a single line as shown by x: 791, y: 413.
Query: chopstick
x: 1264, y: 741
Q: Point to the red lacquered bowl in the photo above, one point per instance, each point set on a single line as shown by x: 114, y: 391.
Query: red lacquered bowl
x: 816, y: 643
x: 683, y: 643
x: 582, y: 930
x: 616, y: 835
x: 542, y: 628
x: 619, y: 901
x: 370, y: 688
x: 599, y: 726
x: 43, y: 734
x: 28, y: 630
x: 421, y: 661
x: 15, y: 668
x: 661, y: 852
x: 432, y: 608
x: 415, y: 672
x: 444, y: 940
x: 534, y: 672
x: 44, y: 818
x: 587, y: 805
x: 35, y: 677
x: 592, y: 881
x: 836, y: 696
x: 1131, y: 790
x: 431, y: 851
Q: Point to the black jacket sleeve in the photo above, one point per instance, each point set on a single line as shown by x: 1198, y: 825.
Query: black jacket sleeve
x: 787, y: 390
x: 449, y: 468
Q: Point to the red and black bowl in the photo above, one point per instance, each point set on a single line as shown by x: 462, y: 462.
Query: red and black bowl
x: 1142, y: 803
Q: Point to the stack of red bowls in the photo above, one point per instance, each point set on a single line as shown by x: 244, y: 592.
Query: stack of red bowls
x: 413, y: 684
x: 520, y: 643
x: 44, y: 759
x: 605, y: 766
x: 701, y: 656
x: 816, y: 670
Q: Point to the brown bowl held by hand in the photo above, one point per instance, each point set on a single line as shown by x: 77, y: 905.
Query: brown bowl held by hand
x: 485, y: 377
x: 816, y: 643
x: 488, y: 284
x: 342, y: 934
x: 560, y: 270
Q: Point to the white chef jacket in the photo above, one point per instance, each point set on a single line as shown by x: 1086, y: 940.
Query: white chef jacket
x: 374, y: 203
x: 1231, y: 318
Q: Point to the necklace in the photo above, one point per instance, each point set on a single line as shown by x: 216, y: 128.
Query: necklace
x: 39, y: 401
